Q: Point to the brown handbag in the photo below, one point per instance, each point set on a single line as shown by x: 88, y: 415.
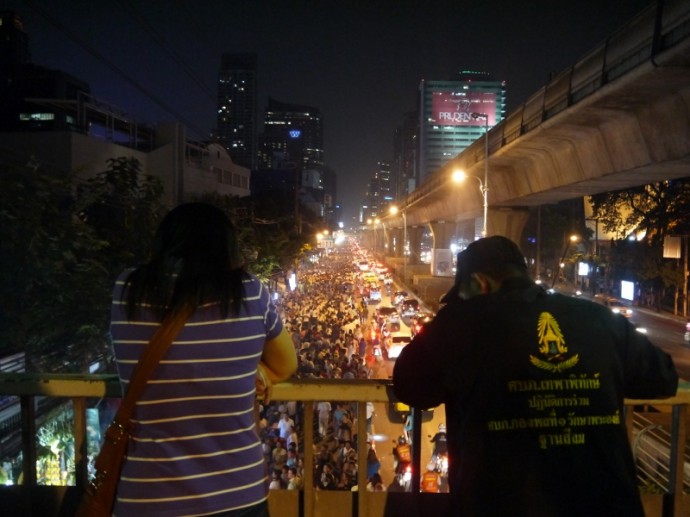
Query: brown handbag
x: 99, y: 496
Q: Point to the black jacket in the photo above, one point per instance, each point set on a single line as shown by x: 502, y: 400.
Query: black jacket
x: 533, y: 385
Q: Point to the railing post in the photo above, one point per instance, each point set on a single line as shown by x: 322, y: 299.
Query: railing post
x: 672, y: 503
x: 81, y: 459
x: 416, y: 449
x: 309, y: 459
x: 362, y: 458
x: 28, y: 411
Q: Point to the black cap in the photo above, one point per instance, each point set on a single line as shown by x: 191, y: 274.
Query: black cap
x: 485, y: 255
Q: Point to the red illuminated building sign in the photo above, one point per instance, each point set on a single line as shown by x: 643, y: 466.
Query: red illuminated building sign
x: 453, y: 108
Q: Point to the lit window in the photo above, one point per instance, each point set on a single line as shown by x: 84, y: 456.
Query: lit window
x: 36, y: 116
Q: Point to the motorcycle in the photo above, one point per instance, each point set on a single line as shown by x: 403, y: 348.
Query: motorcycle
x: 402, y: 468
x: 402, y: 479
x: 439, y: 462
x: 440, y: 466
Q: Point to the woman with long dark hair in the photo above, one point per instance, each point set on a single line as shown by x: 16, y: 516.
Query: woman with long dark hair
x: 195, y: 448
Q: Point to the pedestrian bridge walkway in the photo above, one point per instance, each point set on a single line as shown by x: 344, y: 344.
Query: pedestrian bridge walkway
x: 658, y: 430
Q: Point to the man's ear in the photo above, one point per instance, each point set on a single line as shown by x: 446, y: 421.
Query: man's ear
x: 485, y: 283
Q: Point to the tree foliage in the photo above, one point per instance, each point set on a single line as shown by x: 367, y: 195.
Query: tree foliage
x: 656, y: 210
x: 269, y: 238
x: 558, y: 223
x: 63, y: 243
x: 123, y: 207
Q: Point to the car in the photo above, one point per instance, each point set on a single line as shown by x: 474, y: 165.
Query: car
x: 617, y: 306
x: 621, y: 309
x: 409, y: 307
x: 391, y: 324
x: 370, y: 277
x: 398, y: 297
x: 385, y: 311
x: 419, y: 320
x: 380, y: 269
x: 388, y: 317
x: 375, y: 294
x: 397, y: 343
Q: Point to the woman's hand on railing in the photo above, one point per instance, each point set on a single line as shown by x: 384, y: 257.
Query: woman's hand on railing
x: 264, y: 386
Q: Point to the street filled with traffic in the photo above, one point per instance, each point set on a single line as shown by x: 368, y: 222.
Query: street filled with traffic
x: 349, y: 319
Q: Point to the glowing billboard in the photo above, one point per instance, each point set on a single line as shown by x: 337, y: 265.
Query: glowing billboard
x: 455, y: 108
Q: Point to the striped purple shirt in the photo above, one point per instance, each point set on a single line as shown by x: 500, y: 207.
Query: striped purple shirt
x: 195, y: 449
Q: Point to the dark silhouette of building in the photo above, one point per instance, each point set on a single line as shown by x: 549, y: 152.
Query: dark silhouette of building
x: 14, y: 42
x: 237, y: 107
x: 405, y: 156
x: 293, y: 133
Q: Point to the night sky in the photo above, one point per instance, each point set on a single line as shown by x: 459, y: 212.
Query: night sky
x: 360, y: 63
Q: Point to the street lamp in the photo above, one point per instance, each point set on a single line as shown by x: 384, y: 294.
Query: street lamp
x: 460, y: 176
x: 485, y: 192
x: 561, y: 264
x: 394, y: 210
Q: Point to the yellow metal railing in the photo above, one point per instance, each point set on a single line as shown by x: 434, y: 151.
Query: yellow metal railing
x: 663, y: 420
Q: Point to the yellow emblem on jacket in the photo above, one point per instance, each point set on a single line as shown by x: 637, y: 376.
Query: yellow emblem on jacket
x: 552, y: 346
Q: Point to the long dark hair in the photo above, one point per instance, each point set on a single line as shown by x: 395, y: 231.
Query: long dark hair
x: 195, y: 260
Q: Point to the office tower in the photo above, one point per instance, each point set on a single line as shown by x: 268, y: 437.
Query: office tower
x: 293, y: 134
x: 237, y: 107
x: 14, y: 42
x: 293, y: 141
x: 379, y: 195
x: 403, y: 179
x: 452, y: 116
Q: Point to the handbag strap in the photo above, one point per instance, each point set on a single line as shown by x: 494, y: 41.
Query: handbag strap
x: 149, y: 359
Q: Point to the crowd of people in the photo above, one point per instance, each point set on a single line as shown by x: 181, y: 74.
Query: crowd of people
x: 327, y: 317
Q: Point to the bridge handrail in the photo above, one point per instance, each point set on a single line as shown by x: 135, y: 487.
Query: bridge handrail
x: 79, y: 388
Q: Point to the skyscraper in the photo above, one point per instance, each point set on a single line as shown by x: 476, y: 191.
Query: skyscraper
x: 237, y: 107
x: 14, y: 42
x: 405, y: 156
x: 379, y: 195
x: 293, y: 134
x: 446, y: 122
x: 293, y: 140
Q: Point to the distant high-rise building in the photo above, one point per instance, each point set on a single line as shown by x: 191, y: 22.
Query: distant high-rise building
x: 293, y: 140
x: 14, y: 42
x: 293, y: 133
x: 379, y: 195
x: 405, y: 156
x: 237, y: 107
x: 448, y: 121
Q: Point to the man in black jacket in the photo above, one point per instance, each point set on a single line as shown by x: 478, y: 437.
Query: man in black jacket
x: 533, y: 385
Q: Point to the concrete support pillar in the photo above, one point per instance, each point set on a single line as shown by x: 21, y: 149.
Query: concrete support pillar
x: 396, y: 242
x: 414, y: 237
x: 369, y: 240
x: 442, y: 233
x: 508, y: 222
x: 386, y: 245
